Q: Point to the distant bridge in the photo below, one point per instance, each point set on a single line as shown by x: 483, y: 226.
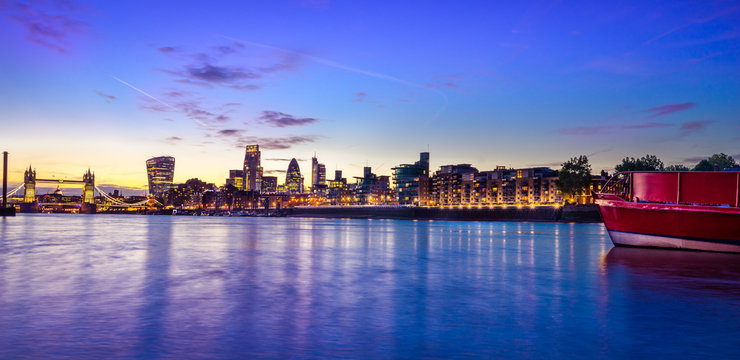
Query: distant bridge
x: 88, y: 193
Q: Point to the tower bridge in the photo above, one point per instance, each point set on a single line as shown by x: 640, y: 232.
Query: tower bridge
x: 29, y: 193
x: 87, y: 205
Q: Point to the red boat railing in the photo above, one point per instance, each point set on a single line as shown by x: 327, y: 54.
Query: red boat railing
x: 676, y: 187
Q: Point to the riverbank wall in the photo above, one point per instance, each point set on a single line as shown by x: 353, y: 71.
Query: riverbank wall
x: 581, y: 213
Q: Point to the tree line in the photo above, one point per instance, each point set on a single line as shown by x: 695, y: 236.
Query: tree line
x: 574, y: 178
x: 716, y: 162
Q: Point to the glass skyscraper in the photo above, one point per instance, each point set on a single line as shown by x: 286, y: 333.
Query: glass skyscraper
x: 160, y: 171
x: 318, y: 174
x: 252, y: 169
x: 293, y: 179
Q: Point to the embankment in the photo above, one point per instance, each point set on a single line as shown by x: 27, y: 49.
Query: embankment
x: 582, y: 213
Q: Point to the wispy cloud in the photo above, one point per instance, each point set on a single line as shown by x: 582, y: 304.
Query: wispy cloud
x: 360, y: 97
x: 156, y: 104
x: 279, y: 119
x: 669, y: 109
x: 607, y: 129
x: 647, y: 125
x: 349, y: 68
x: 283, y: 159
x: 583, y: 130
x: 108, y: 98
x: 721, y: 13
x: 693, y: 62
x: 275, y: 172
x: 48, y: 24
x: 276, y: 143
x: 172, y: 140
x: 601, y: 151
x: 694, y: 126
x: 211, y: 69
x: 441, y: 85
x: 208, y: 75
x: 716, y: 15
x: 167, y: 49
x: 230, y: 132
x: 695, y: 159
x: 193, y: 108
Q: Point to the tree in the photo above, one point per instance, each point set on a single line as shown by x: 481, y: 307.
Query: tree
x: 721, y: 160
x: 678, y: 167
x: 574, y: 177
x: 645, y: 163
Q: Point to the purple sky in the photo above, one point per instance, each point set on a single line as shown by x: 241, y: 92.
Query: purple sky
x: 107, y: 85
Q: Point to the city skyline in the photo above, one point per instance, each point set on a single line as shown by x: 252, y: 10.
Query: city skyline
x: 106, y: 86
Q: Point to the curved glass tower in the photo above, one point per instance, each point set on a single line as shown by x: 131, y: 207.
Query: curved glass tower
x: 160, y: 171
x: 293, y: 179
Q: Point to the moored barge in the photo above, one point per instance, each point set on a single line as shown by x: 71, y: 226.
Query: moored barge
x: 673, y: 209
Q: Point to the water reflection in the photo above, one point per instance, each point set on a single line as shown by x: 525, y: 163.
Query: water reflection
x: 154, y: 291
x: 202, y: 287
x: 677, y: 270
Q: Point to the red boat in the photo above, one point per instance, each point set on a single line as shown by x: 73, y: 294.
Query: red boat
x: 692, y: 210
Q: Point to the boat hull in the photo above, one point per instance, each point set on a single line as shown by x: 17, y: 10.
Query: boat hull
x: 687, y: 227
x: 621, y: 238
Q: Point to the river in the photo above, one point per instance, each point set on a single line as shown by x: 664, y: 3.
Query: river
x: 126, y: 286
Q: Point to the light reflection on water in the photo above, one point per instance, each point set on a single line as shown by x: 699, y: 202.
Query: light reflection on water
x: 197, y: 287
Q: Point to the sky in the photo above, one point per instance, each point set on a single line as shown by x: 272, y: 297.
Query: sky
x: 106, y: 85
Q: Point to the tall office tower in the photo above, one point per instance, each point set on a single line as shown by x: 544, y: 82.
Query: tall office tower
x: 293, y: 179
x: 322, y: 175
x: 252, y: 169
x: 337, y: 175
x: 314, y: 171
x: 160, y: 171
x: 318, y: 174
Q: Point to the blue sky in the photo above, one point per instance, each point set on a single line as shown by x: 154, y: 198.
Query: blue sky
x: 107, y: 85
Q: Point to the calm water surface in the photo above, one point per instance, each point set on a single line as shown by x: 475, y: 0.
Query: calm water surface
x: 107, y: 286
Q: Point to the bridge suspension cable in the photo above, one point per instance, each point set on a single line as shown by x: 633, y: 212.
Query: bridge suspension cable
x: 10, y: 193
x: 121, y: 203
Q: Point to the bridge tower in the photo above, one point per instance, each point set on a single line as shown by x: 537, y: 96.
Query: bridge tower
x: 88, y: 189
x: 29, y: 185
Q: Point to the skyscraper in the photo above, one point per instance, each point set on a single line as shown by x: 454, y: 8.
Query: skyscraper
x: 160, y: 171
x: 314, y: 170
x: 252, y: 169
x: 293, y: 179
x: 318, y: 174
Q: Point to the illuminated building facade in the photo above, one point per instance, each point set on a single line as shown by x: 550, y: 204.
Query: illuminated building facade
x: 338, y: 192
x: 412, y: 181
x: 29, y: 181
x: 371, y: 189
x: 293, y: 178
x: 252, y: 169
x: 160, y: 172
x: 464, y: 185
x: 236, y: 179
x: 318, y: 175
x: 452, y: 183
x: 269, y: 184
x: 88, y: 187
